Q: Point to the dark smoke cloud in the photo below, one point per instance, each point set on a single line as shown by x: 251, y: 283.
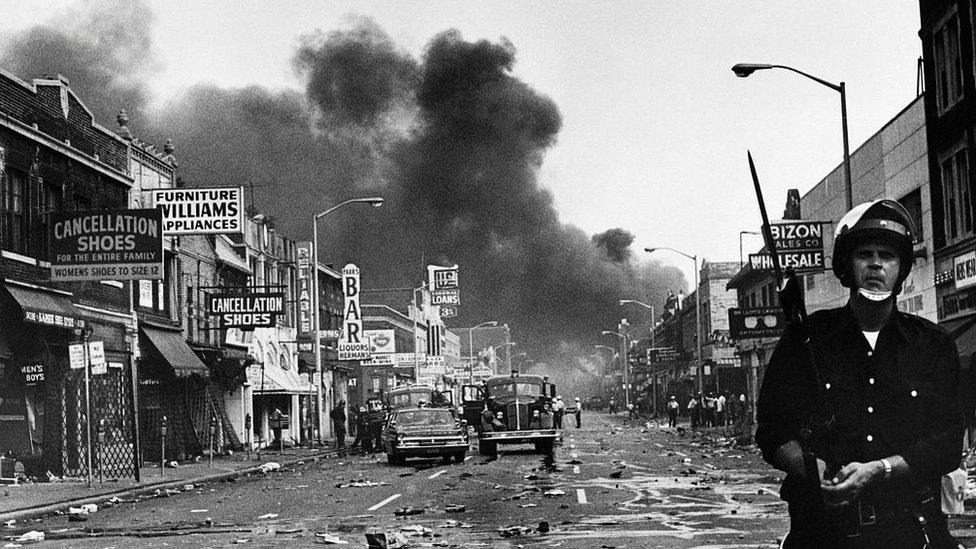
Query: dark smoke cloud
x: 615, y: 243
x: 104, y: 51
x: 453, y: 141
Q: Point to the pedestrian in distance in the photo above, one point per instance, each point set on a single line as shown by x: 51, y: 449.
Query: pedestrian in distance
x: 631, y: 411
x: 558, y: 409
x: 613, y: 407
x: 710, y: 410
x: 362, y: 428
x: 578, y: 412
x: 672, y: 408
x: 732, y: 407
x: 720, y: 409
x: 694, y: 411
x: 878, y: 388
x: 338, y: 415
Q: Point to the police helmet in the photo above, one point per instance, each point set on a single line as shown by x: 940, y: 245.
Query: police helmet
x: 879, y: 220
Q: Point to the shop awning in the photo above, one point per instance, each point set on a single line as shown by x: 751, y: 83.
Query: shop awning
x: 229, y: 257
x: 175, y: 351
x: 46, y: 307
x: 276, y: 380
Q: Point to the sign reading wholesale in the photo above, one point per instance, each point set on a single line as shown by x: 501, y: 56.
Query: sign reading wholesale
x: 799, y: 244
x: 106, y: 245
x: 201, y: 211
x: 246, y: 310
x: 353, y: 344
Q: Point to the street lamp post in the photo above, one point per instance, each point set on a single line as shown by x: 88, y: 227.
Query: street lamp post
x: 626, y: 360
x: 375, y: 201
x: 698, y: 349
x: 471, y: 347
x: 612, y: 351
x: 741, y: 233
x: 653, y: 374
x: 743, y: 70
x: 509, y: 353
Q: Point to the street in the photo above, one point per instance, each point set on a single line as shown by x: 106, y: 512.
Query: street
x: 610, y: 485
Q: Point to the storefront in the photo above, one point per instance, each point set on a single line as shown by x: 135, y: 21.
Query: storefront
x: 173, y: 391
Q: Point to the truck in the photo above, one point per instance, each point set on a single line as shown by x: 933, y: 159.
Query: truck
x: 512, y: 402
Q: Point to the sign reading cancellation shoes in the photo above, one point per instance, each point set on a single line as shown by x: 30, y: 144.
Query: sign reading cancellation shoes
x: 106, y: 245
x: 353, y: 344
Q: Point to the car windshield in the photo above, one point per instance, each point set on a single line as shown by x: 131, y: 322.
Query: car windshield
x: 509, y: 389
x: 430, y: 416
x: 411, y: 399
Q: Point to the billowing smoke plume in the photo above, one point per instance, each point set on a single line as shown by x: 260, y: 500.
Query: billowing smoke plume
x: 452, y: 141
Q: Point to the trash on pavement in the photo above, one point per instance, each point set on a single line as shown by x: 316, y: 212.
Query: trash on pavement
x: 416, y: 530
x: 172, y: 464
x: 270, y: 466
x: 405, y: 511
x: 513, y: 531
x: 188, y: 487
x: 361, y: 484
x: 524, y: 505
x: 30, y: 537
x: 199, y: 510
x: 268, y: 516
x: 543, y: 527
x: 455, y: 509
x: 386, y: 540
x: 553, y: 493
x: 328, y: 539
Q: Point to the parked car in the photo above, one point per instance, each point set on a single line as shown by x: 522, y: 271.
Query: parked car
x: 424, y: 432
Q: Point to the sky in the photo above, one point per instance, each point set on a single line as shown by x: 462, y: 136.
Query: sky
x: 655, y: 125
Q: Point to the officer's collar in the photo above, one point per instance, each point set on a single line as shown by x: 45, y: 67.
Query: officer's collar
x: 895, y: 323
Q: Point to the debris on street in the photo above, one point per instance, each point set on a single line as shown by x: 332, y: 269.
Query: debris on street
x: 329, y: 539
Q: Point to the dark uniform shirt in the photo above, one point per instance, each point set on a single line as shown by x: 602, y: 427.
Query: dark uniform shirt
x: 898, y: 399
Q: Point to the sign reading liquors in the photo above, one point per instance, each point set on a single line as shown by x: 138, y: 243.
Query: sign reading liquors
x: 246, y: 310
x: 201, y: 211
x: 352, y: 344
x: 106, y: 245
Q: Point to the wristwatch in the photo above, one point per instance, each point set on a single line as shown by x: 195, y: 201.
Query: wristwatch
x: 887, y: 468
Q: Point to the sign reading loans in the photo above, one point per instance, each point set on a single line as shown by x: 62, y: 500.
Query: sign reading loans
x: 201, y: 211
x: 443, y: 285
x: 246, y: 310
x: 106, y: 245
x: 353, y: 344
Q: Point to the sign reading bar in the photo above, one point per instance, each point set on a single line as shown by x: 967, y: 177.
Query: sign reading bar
x: 756, y: 322
x: 246, y: 310
x: 106, y: 245
x: 353, y: 344
x: 201, y: 211
x: 802, y: 262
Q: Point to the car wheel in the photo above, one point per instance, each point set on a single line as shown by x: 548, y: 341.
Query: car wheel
x: 487, y: 448
x: 459, y: 456
x: 391, y: 458
x: 446, y: 458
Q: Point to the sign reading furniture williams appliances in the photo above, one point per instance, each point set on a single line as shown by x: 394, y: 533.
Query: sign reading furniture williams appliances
x: 106, y: 245
x: 246, y: 310
x: 201, y: 211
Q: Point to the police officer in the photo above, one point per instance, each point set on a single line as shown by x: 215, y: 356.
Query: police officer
x: 888, y: 380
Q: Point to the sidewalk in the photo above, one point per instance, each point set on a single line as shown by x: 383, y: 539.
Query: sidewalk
x: 33, y: 499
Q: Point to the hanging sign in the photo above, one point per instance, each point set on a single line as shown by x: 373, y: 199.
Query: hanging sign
x: 201, y: 211
x: 245, y: 309
x: 106, y: 245
x: 353, y: 344
x: 756, y: 322
x: 306, y: 326
x: 96, y: 357
x: 76, y: 356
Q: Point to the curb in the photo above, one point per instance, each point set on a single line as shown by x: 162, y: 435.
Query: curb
x: 52, y: 508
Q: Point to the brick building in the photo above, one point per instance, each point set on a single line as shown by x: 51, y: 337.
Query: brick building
x: 54, y: 156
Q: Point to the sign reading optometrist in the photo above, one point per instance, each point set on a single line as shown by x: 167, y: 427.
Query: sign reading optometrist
x: 353, y: 344
x: 756, y: 322
x: 106, y: 245
x: 201, y: 211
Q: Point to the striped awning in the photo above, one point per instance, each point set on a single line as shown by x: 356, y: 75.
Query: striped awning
x: 174, y: 350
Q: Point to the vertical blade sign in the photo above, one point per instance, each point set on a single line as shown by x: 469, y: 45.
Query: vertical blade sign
x: 353, y: 344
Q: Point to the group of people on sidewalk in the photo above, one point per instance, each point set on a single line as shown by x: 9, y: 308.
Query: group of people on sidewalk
x: 715, y: 411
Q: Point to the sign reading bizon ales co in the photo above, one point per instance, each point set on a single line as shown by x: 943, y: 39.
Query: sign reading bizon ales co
x: 201, y: 211
x: 246, y: 310
x: 106, y: 245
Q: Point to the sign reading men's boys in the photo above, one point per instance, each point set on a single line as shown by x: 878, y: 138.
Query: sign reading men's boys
x: 106, y: 245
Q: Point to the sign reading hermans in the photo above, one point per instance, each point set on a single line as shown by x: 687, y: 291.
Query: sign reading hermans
x: 353, y: 344
x: 106, y: 245
x: 201, y: 211
x: 246, y: 310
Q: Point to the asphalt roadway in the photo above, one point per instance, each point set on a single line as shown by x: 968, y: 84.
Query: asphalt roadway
x: 611, y: 485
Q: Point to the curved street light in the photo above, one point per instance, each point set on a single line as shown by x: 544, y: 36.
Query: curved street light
x: 743, y: 70
x: 693, y: 258
x: 375, y: 201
